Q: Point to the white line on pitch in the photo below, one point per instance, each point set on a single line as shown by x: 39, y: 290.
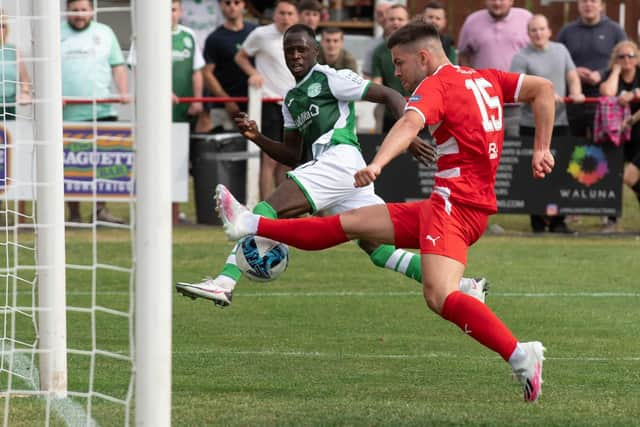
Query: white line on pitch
x: 374, y: 294
x: 72, y: 413
x: 429, y: 355
x: 415, y: 293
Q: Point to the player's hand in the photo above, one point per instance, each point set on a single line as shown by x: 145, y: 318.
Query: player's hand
x: 367, y: 175
x: 542, y: 163
x: 248, y: 128
x: 256, y: 80
x: 423, y: 151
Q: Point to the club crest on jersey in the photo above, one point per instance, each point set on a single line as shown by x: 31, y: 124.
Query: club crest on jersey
x: 314, y: 90
x: 187, y: 42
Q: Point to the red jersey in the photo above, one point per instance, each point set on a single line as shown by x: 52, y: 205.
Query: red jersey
x: 463, y: 109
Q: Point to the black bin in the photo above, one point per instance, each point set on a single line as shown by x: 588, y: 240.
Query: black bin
x: 217, y: 159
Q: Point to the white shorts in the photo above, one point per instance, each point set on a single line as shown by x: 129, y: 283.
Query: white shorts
x: 328, y: 181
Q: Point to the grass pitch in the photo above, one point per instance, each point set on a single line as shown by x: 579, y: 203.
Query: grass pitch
x: 338, y: 342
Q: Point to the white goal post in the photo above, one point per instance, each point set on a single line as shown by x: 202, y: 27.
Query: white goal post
x: 153, y: 214
x: 50, y: 199
x: 75, y: 347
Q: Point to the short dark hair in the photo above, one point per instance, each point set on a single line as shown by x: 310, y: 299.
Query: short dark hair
x: 434, y: 4
x: 412, y: 32
x: 300, y: 28
x: 332, y: 30
x: 69, y: 2
x: 313, y: 5
x: 291, y: 2
x: 399, y: 6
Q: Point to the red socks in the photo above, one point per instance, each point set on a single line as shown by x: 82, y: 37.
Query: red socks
x: 310, y: 234
x: 476, y: 319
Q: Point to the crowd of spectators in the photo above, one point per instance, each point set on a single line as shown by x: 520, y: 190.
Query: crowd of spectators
x: 590, y: 57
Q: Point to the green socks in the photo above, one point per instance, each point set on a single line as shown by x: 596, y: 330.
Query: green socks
x: 230, y: 269
x: 405, y: 262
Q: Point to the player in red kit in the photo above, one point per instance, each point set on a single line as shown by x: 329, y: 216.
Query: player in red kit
x: 463, y: 109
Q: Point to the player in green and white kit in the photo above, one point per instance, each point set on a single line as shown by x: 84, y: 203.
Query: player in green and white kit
x: 319, y: 112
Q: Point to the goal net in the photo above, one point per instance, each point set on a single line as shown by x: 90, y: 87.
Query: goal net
x: 72, y: 351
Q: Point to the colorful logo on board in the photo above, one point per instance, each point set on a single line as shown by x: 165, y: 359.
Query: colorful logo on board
x: 588, y: 164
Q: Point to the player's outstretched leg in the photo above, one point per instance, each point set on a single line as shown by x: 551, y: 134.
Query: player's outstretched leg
x: 480, y: 322
x: 220, y: 289
x: 408, y: 263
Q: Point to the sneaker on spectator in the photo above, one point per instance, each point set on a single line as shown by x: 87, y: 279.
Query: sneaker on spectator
x: 105, y: 215
x: 75, y: 218
x: 610, y: 226
x: 561, y: 228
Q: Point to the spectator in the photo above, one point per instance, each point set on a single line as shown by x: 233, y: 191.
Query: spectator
x: 382, y: 67
x: 91, y: 57
x: 590, y: 40
x: 310, y: 12
x: 632, y: 169
x: 436, y: 14
x: 201, y: 16
x: 332, y: 50
x: 622, y: 79
x: 381, y: 8
x: 222, y: 76
x: 272, y: 75
x: 552, y: 61
x: 187, y: 64
x: 13, y: 73
x: 489, y: 38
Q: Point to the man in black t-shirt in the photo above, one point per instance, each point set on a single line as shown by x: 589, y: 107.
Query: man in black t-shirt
x: 222, y: 75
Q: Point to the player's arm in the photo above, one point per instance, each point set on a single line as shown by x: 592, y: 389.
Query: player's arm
x: 288, y: 153
x: 538, y: 92
x: 420, y: 149
x: 395, y: 143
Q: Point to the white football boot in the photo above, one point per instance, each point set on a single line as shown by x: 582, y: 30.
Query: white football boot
x: 237, y: 221
x: 477, y: 287
x: 209, y: 288
x: 529, y: 371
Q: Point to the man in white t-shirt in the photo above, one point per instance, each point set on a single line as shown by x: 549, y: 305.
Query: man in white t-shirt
x: 270, y: 73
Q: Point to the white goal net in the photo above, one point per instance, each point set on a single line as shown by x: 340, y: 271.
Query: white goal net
x: 70, y: 354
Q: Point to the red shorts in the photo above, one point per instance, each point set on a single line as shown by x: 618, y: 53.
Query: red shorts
x: 427, y: 225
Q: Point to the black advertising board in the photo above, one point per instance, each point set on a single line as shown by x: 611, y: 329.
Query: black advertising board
x: 586, y: 180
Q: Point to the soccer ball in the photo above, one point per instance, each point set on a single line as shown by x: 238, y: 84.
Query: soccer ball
x: 261, y: 259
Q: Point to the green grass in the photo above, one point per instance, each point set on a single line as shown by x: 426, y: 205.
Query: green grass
x: 336, y: 341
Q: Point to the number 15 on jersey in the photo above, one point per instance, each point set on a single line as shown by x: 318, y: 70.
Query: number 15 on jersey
x: 489, y: 106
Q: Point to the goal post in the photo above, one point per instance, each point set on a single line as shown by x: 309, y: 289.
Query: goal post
x: 50, y: 236
x: 152, y: 23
